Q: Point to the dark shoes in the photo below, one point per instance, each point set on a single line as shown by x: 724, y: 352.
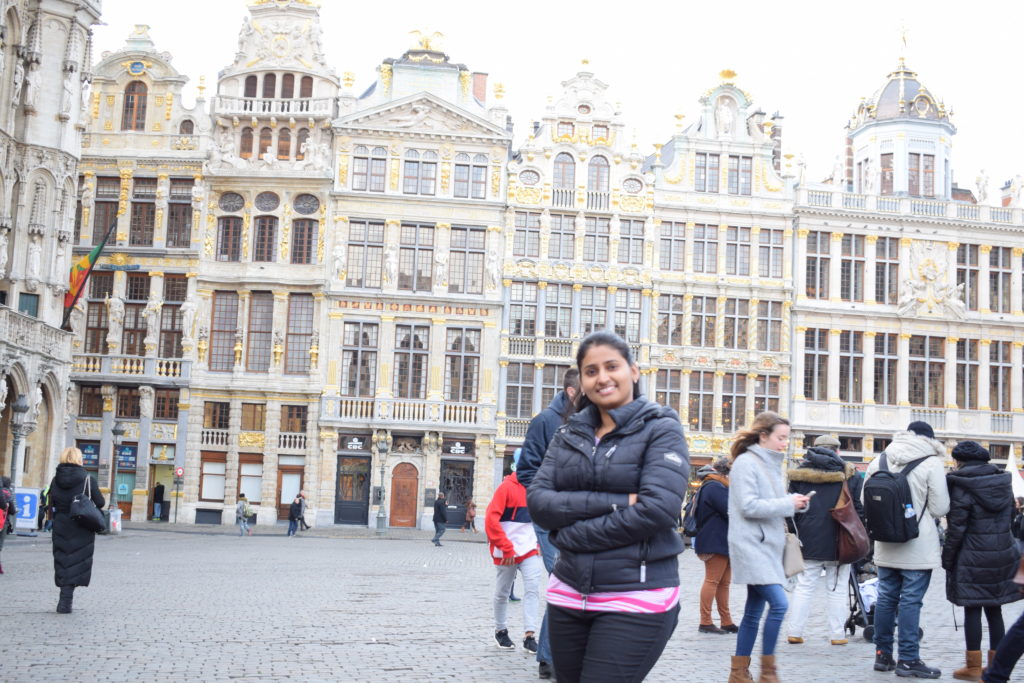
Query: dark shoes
x: 711, y: 628
x: 884, y: 661
x: 545, y: 670
x: 916, y: 669
x: 530, y: 644
x: 731, y: 628
x: 67, y: 594
x: 503, y: 641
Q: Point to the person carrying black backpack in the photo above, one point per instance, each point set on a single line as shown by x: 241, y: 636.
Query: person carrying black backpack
x: 905, y: 567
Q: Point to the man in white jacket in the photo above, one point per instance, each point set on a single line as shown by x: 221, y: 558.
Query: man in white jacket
x: 905, y: 569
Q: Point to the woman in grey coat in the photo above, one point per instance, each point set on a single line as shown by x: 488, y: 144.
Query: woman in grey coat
x: 758, y: 508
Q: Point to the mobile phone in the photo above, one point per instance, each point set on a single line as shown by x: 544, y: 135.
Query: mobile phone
x: 811, y: 494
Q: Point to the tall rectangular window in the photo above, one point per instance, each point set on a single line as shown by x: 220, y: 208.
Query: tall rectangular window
x: 631, y: 242
x: 90, y: 403
x: 886, y: 367
x: 300, y: 333
x: 562, y: 241
x: 419, y: 172
x: 175, y: 291
x: 128, y: 404
x: 293, y: 419
x: 967, y: 374
x: 261, y: 330
x: 734, y: 401
x: 101, y: 285
x: 705, y: 248
x: 213, y: 469
x: 223, y: 324
x: 303, y: 239
x: 887, y: 270
x: 627, y: 314
x: 967, y: 270
x: 921, y: 175
x: 461, y: 364
x: 737, y: 318
x: 766, y: 394
x: 179, y: 214
x: 595, y: 239
x: 701, y: 401
x: 143, y: 219
x: 740, y: 174
x: 670, y: 319
x: 229, y: 238
x: 737, y: 251
x: 926, y: 372
x: 770, y: 252
x: 706, y: 172
x: 165, y: 404
x: 816, y: 364
x: 412, y: 351
x: 670, y: 389
x: 593, y: 309
x: 885, y: 163
x: 999, y: 271
x: 216, y: 415
x: 134, y: 329
x: 551, y: 382
x: 466, y: 271
x: 672, y: 252
x: 359, y: 360
x: 519, y: 390
x: 470, y: 176
x: 851, y: 269
x: 104, y: 214
x: 818, y: 263
x: 851, y: 366
x: 522, y: 312
x: 526, y: 240
x: 416, y: 258
x: 702, y: 321
x: 558, y: 320
x: 365, y: 254
x: 250, y: 476
x: 265, y: 241
x: 1000, y: 367
x: 254, y: 417
x: 769, y: 326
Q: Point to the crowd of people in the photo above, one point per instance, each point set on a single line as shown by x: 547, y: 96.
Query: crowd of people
x: 597, y: 493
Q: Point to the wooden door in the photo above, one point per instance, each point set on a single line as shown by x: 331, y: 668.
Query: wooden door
x: 289, y: 483
x: 405, y: 489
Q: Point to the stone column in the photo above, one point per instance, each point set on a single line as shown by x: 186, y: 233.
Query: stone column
x: 788, y: 246
x: 687, y: 317
x: 124, y: 218
x: 140, y: 495
x: 870, y: 254
x: 435, y: 389
x: 647, y: 303
x: 152, y: 312
x: 949, y: 376
x: 442, y: 253
x: 799, y: 346
x: 800, y: 276
x: 717, y: 410
x: 610, y: 320
x: 903, y: 376
x: 280, y: 330
x: 1016, y: 404
x: 984, y: 373
x: 109, y: 393
x: 268, y: 485
x: 392, y: 235
x: 580, y: 226
x: 719, y: 321
x: 614, y: 239
x: 833, y: 364
x: 1015, y: 282
x: 542, y: 300
x: 720, y: 265
x: 787, y: 311
x: 752, y: 323
x: 321, y: 490
x: 688, y: 254
x: 684, y: 407
x: 984, y: 295
x: 163, y: 189
x: 241, y: 330
x: 88, y: 198
x: 868, y: 370
x: 835, y: 255
x: 386, y: 357
x: 115, y: 313
x: 748, y: 413
x: 577, y: 300
x: 231, y: 466
x: 755, y: 253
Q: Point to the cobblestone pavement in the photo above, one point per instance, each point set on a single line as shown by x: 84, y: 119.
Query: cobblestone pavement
x: 211, y: 606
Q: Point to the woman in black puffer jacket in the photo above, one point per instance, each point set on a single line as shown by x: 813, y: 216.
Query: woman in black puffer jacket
x: 979, y: 555
x: 72, y: 544
x: 609, y: 490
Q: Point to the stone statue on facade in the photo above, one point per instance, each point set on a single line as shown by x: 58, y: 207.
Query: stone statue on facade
x: 927, y: 290
x: 188, y: 318
x: 146, y: 395
x: 67, y: 97
x: 441, y: 267
x: 391, y: 263
x: 724, y: 118
x: 88, y: 196
x: 981, y: 182
x: 115, y: 319
x: 32, y: 86
x: 870, y: 177
x: 35, y: 402
x: 18, y: 83
x: 198, y: 194
x: 416, y: 118
x: 34, y: 261
x: 493, y: 268
x: 340, y: 255
x: 71, y: 408
x: 151, y: 314
x: 77, y: 320
x: 5, y: 232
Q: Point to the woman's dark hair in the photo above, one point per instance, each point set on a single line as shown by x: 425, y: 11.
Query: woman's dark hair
x: 764, y: 423
x: 602, y: 339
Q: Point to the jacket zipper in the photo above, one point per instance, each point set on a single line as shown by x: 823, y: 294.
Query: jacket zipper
x: 643, y: 561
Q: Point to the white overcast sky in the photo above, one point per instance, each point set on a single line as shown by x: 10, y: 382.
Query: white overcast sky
x: 810, y: 61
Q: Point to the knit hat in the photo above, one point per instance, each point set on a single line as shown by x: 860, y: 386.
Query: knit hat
x: 827, y: 441
x: 705, y: 471
x: 970, y: 450
x: 921, y: 429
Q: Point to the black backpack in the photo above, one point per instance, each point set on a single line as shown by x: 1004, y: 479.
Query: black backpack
x: 888, y: 505
x: 690, y: 527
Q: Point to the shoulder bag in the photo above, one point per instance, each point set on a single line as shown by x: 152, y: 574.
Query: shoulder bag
x: 852, y: 543
x: 84, y: 512
x: 792, y: 553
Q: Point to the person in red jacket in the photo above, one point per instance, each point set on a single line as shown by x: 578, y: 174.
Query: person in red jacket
x: 513, y: 546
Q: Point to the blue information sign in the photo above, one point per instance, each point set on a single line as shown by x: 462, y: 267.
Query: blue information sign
x: 27, y: 501
x: 90, y: 454
x: 126, y: 457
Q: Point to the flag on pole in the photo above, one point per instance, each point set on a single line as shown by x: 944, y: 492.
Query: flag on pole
x: 79, y: 275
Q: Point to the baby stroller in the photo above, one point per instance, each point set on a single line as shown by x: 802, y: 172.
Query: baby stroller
x: 862, y: 606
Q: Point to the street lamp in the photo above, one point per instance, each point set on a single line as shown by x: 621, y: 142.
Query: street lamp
x: 20, y: 409
x: 117, y: 431
x: 383, y: 441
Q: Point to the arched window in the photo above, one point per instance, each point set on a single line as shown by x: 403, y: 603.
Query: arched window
x: 133, y: 116
x: 245, y: 148
x: 265, y: 238
x: 306, y: 87
x: 186, y: 127
x: 266, y: 141
x: 250, y: 86
x: 565, y: 172
x: 284, y: 144
x: 269, y: 85
x: 288, y: 86
x: 299, y: 142
x: 597, y: 175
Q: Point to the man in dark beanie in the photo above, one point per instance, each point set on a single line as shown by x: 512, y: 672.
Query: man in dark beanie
x: 905, y: 569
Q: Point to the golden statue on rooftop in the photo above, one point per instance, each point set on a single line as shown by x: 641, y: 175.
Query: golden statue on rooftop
x: 431, y: 43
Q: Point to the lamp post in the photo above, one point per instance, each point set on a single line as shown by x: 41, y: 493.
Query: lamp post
x: 20, y: 412
x: 383, y: 441
x: 117, y: 431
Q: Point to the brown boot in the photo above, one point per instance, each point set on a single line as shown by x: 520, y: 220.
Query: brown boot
x: 768, y: 673
x: 740, y: 672
x: 971, y: 672
x: 991, y: 657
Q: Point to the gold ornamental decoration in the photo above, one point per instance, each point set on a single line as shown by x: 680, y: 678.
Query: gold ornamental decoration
x: 251, y: 439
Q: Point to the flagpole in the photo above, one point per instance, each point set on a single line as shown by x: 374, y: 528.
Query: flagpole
x: 85, y: 281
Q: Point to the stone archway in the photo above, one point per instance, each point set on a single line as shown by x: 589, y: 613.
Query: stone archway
x: 405, y: 488
x: 38, y: 444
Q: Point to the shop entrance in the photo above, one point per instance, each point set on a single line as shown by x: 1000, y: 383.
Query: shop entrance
x: 289, y: 483
x: 457, y: 485
x: 352, y: 500
x: 405, y: 486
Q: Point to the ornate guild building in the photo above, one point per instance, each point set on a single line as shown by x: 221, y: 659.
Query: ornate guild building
x: 366, y: 294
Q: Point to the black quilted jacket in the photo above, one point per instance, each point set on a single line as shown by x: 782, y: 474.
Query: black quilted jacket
x: 581, y: 494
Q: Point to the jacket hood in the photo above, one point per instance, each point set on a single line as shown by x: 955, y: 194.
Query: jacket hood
x: 990, y: 486
x: 908, y: 446
x: 511, y: 477
x: 69, y: 475
x: 559, y: 402
x: 715, y: 476
x: 627, y: 418
x: 822, y: 465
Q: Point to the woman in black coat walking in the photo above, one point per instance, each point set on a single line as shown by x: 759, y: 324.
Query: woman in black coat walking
x: 72, y: 544
x: 979, y: 554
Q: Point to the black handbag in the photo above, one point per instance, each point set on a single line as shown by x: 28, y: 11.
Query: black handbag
x: 84, y: 512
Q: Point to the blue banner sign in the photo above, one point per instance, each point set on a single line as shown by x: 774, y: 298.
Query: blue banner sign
x: 126, y: 457
x: 90, y: 454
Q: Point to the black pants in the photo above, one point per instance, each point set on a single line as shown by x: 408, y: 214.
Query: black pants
x: 1010, y: 650
x: 972, y: 626
x: 607, y: 646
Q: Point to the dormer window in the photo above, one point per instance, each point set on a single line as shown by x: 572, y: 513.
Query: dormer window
x: 187, y: 127
x: 133, y: 116
x: 565, y: 129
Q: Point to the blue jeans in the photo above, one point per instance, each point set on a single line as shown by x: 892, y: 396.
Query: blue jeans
x: 293, y: 527
x: 549, y: 553
x: 900, y: 595
x: 757, y: 597
x: 157, y: 509
x: 439, y: 529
